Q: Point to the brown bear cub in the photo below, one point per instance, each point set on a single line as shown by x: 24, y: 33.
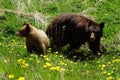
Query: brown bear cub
x: 75, y: 30
x: 36, y: 39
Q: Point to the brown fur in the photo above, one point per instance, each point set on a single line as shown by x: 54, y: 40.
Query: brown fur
x: 75, y: 30
x: 36, y: 39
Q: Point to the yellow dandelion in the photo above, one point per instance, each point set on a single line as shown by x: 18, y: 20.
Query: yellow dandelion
x: 62, y: 63
x: 21, y: 78
x: 57, y: 68
x: 31, y: 55
x: 25, y: 65
x: 109, y: 74
x: 114, y: 69
x: 48, y: 64
x: 98, y: 53
x: 56, y: 52
x: 47, y: 59
x: 74, y: 57
x: 109, y: 63
x: 19, y: 60
x: 24, y: 46
x: 103, y: 66
x: 5, y: 61
x: 23, y: 61
x: 10, y: 76
x: 118, y: 79
x: 30, y: 59
x: 110, y: 78
x: 104, y: 72
x: 62, y: 69
x: 52, y: 68
x: 38, y: 61
x: 44, y: 56
x: 61, y: 56
x: 45, y: 66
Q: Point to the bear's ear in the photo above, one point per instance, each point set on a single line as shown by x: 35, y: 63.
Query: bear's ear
x: 27, y: 26
x: 102, y: 25
x: 89, y: 23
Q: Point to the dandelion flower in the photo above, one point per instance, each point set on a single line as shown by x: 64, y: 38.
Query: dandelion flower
x: 109, y: 74
x: 110, y: 78
x: 10, y: 76
x: 21, y: 78
x: 104, y: 72
x: 109, y: 63
x: 62, y: 63
x: 25, y: 46
x: 5, y: 61
x: 103, y: 66
x: 52, y: 68
x: 48, y: 64
x: 45, y: 66
x: 19, y: 60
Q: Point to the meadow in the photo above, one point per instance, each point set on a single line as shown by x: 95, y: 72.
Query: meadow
x: 16, y: 64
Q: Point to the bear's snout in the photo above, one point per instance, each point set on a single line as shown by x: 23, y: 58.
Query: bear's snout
x: 92, y: 37
x: 17, y: 34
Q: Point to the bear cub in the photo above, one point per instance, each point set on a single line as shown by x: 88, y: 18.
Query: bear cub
x: 36, y: 39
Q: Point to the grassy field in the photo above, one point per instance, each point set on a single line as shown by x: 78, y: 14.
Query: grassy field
x: 16, y: 64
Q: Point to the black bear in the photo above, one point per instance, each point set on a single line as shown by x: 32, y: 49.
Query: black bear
x: 75, y: 30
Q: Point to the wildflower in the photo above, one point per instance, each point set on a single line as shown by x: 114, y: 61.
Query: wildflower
x: 109, y: 63
x: 5, y: 61
x: 48, y: 64
x: 62, y: 63
x: 109, y: 74
x: 25, y: 46
x: 118, y: 79
x: 19, y: 60
x: 98, y: 53
x: 38, y: 61
x: 113, y: 69
x: 104, y: 72
x: 56, y: 52
x: 10, y: 76
x: 30, y: 59
x: 103, y: 66
x: 57, y: 68
x: 21, y: 78
x: 47, y: 59
x: 74, y: 57
x: 52, y: 68
x: 62, y: 69
x: 110, y: 78
x: 45, y: 66
x: 31, y: 55
x: 44, y: 56
x: 61, y: 56
x: 25, y: 65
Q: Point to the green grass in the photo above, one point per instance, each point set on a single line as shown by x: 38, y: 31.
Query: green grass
x: 15, y: 63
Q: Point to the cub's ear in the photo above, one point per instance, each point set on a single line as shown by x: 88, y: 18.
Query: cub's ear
x: 27, y: 26
x: 102, y: 25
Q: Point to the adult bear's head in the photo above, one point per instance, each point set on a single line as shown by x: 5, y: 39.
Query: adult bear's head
x: 95, y: 31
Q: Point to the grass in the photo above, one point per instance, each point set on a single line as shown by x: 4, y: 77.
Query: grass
x: 16, y: 64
